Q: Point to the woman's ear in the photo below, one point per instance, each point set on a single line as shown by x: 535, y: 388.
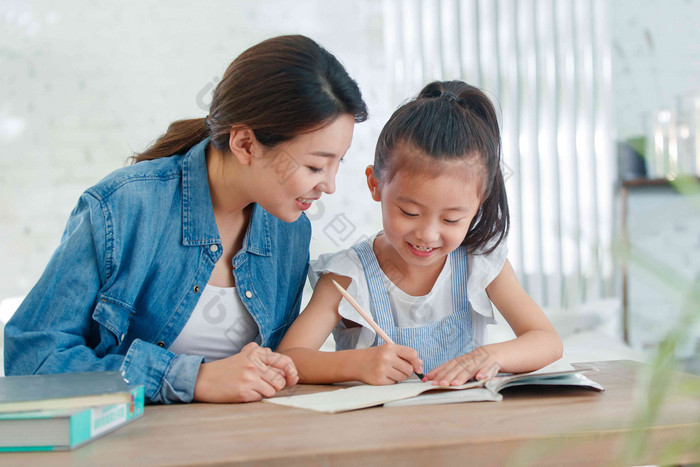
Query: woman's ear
x: 373, y: 183
x: 242, y: 144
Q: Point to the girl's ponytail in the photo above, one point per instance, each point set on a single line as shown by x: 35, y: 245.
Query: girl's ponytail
x: 491, y: 224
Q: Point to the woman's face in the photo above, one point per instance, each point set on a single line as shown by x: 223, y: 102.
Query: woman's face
x: 297, y: 172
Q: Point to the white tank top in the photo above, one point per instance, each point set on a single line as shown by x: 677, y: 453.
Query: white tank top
x: 220, y: 326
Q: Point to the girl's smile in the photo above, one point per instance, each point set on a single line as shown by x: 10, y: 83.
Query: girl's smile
x: 422, y: 251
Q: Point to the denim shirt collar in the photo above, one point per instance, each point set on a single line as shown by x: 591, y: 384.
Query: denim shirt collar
x: 198, y: 222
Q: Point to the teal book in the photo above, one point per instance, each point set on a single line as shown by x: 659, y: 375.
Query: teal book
x: 66, y: 429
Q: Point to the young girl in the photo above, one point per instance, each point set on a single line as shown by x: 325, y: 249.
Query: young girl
x: 177, y: 269
x: 430, y: 277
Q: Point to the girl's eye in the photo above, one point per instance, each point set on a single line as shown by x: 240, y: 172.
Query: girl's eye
x: 452, y: 221
x: 315, y: 170
x: 408, y: 213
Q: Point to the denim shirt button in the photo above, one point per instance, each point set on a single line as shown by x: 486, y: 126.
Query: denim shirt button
x: 196, y: 289
x: 161, y: 344
x: 214, y: 248
x: 249, y: 294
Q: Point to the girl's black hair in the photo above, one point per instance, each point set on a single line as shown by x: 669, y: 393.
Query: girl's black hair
x: 451, y: 120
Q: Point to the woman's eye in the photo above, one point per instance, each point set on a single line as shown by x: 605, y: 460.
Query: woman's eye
x: 449, y: 221
x: 315, y: 170
x: 408, y: 213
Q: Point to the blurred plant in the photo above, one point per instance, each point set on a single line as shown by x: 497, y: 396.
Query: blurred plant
x: 658, y: 382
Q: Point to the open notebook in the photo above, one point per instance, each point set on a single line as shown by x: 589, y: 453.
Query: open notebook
x: 416, y: 392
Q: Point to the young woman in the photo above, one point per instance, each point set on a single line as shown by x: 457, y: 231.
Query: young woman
x: 184, y: 269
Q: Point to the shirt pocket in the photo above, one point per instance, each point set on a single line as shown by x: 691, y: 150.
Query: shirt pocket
x: 112, y: 321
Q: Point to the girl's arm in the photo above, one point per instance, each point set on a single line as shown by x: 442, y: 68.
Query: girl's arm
x: 384, y: 364
x: 537, y: 343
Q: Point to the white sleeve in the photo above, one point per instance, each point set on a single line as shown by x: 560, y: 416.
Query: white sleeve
x: 347, y: 263
x: 483, y: 269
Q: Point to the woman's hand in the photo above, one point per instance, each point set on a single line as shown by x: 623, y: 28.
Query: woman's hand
x: 479, y: 363
x: 388, y: 364
x: 248, y: 376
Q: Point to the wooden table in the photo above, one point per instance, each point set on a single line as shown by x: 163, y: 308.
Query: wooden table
x: 552, y: 426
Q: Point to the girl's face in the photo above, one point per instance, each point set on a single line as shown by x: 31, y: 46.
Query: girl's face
x: 297, y: 172
x: 426, y: 217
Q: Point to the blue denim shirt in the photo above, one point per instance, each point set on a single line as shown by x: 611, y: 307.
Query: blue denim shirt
x: 137, y: 249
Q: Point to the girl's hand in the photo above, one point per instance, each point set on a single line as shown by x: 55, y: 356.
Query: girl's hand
x: 479, y: 363
x: 250, y: 375
x: 388, y: 364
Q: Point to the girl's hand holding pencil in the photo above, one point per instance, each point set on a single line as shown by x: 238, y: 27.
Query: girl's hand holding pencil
x: 388, y: 363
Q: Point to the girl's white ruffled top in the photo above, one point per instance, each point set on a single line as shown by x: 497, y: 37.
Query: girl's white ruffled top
x: 409, y: 311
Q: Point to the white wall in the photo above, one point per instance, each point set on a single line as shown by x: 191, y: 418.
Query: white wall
x: 83, y: 84
x: 655, y: 58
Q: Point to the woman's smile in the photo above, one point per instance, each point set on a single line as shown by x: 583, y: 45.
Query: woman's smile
x: 305, y: 203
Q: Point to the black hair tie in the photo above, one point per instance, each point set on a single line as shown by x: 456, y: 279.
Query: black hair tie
x: 206, y: 122
x: 453, y: 98
x: 450, y: 96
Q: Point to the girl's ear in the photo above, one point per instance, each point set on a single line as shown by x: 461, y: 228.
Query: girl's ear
x: 242, y: 143
x: 373, y: 183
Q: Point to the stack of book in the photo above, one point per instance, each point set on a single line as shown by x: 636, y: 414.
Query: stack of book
x: 64, y: 411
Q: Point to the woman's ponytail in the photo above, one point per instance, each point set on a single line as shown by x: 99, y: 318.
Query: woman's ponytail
x: 180, y: 137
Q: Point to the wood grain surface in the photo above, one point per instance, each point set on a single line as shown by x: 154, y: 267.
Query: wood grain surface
x: 531, y: 426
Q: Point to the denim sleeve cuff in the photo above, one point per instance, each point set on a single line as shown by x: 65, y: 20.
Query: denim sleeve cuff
x: 180, y: 378
x: 167, y: 378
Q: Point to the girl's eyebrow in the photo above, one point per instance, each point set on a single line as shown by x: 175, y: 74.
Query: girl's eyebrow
x: 413, y: 201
